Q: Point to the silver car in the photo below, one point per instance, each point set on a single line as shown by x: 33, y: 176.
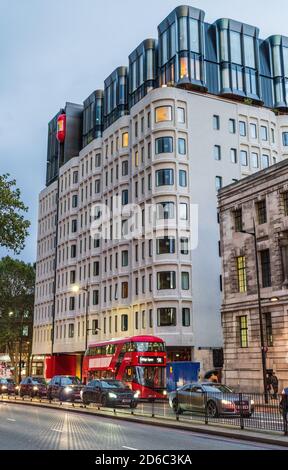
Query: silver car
x: 213, y: 399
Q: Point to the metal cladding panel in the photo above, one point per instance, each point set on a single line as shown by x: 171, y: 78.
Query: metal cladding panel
x: 267, y: 91
x: 212, y: 77
x: 265, y: 65
x: 210, y: 43
x: 73, y: 139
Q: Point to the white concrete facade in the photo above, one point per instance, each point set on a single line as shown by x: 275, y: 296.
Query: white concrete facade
x: 100, y: 177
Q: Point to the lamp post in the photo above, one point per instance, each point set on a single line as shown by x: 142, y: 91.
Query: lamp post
x: 262, y: 340
x: 76, y: 289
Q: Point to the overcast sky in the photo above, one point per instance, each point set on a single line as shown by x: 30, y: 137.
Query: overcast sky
x: 53, y: 51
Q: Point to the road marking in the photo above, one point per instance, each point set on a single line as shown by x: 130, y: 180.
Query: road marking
x: 56, y: 430
x: 129, y: 448
x: 10, y: 419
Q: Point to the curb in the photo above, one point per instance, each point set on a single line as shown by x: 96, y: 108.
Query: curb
x: 231, y: 434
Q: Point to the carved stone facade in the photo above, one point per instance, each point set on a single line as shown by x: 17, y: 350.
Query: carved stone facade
x: 264, y: 194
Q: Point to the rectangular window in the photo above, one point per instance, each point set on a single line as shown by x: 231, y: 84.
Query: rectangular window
x: 124, y: 197
x: 125, y: 168
x: 124, y: 290
x: 124, y: 258
x: 249, y: 51
x: 181, y: 115
x: 265, y: 161
x: 163, y: 113
x: 269, y: 329
x: 241, y: 274
x: 73, y: 251
x: 264, y: 133
x: 285, y: 139
x: 136, y: 321
x: 261, y: 212
x: 253, y: 131
x: 164, y: 177
x: 95, y: 327
x: 265, y: 268
x: 243, y: 330
x: 243, y: 158
x: 182, y: 146
x: 166, y: 280
x: 242, y: 128
x: 75, y: 177
x: 71, y: 330
x: 164, y: 145
x: 165, y: 245
x: 124, y: 322
x: 184, y: 246
x: 217, y: 152
x: 74, y: 226
x: 74, y: 201
x: 255, y: 160
x: 165, y: 210
x: 216, y: 122
x: 233, y: 155
x: 143, y: 319
x: 232, y: 126
x: 238, y: 223
x: 95, y: 297
x: 150, y: 318
x: 183, y: 211
x: 186, y: 317
x: 72, y: 303
x: 96, y: 268
x: 125, y: 139
x: 185, y: 281
x: 285, y: 203
x: 166, y: 316
x: 235, y: 44
x: 218, y: 182
x: 183, y: 178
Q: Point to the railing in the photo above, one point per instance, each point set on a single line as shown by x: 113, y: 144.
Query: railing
x: 236, y: 410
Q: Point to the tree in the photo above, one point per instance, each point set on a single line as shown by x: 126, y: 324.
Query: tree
x: 17, y: 281
x: 13, y: 226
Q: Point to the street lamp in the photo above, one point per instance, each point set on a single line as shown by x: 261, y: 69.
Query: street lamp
x: 262, y: 341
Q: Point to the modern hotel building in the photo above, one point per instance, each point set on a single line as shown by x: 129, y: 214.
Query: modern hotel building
x: 200, y: 107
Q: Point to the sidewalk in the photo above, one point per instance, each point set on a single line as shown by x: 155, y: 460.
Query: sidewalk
x: 216, y: 430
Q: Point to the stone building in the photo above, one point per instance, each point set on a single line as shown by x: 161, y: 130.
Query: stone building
x: 263, y: 198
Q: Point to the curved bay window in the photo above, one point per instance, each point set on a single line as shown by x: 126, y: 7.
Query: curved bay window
x: 93, y: 117
x: 142, y: 70
x: 115, y: 96
x: 279, y: 58
x: 181, y: 48
x: 239, y: 59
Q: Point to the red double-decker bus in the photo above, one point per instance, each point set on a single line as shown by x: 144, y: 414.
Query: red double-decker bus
x: 138, y: 361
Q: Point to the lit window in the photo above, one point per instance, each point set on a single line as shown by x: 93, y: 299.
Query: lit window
x: 184, y: 67
x: 163, y: 113
x: 241, y: 274
x: 125, y: 139
x: 243, y: 328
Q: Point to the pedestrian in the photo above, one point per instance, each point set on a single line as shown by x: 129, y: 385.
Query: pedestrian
x: 269, y: 382
x: 284, y: 408
x: 275, y: 385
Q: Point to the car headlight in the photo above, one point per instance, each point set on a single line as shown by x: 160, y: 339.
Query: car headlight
x: 112, y: 395
x: 252, y: 402
x: 4, y: 387
x: 35, y: 387
x: 165, y: 392
x: 137, y: 394
x: 17, y: 387
x: 227, y: 402
x: 68, y: 389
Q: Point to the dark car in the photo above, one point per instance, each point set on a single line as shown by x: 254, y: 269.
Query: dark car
x: 65, y: 388
x: 212, y: 398
x: 109, y: 393
x: 8, y: 387
x: 33, y: 387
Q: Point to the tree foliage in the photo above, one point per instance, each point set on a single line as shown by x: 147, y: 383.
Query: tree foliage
x: 17, y: 280
x: 13, y: 226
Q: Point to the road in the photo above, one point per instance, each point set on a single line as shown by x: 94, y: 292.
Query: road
x: 33, y: 428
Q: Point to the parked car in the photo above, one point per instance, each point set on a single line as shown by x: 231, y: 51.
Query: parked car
x: 8, y: 387
x: 33, y: 387
x: 65, y: 388
x: 212, y: 398
x: 109, y: 393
